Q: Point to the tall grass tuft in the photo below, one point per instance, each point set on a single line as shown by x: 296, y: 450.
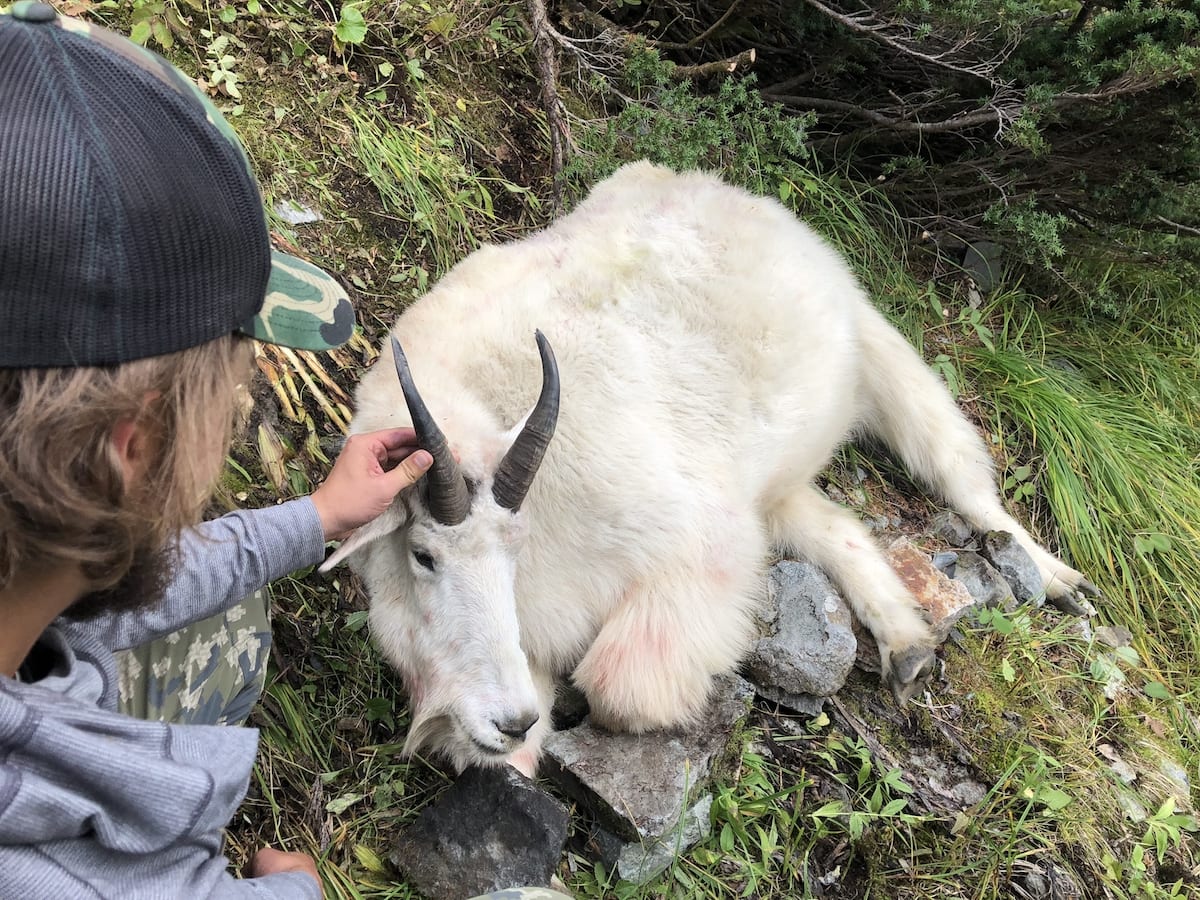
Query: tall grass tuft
x: 1111, y: 411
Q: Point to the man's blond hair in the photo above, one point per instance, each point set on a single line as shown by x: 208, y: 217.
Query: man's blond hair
x: 63, y: 497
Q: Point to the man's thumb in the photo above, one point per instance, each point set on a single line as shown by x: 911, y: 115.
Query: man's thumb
x: 410, y: 469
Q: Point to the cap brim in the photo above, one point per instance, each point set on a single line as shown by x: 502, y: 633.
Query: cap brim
x: 305, y: 308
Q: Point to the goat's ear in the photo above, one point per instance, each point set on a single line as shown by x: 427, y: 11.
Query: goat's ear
x: 391, y: 520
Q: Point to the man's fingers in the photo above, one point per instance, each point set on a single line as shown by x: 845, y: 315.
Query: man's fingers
x: 409, y: 470
x: 395, y: 438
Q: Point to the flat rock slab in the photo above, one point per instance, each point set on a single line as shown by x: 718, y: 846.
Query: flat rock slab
x: 492, y: 829
x: 944, y: 599
x: 639, y: 786
x: 643, y: 861
x: 808, y: 644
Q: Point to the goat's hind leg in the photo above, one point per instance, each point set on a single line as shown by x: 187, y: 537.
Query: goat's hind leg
x: 831, y: 537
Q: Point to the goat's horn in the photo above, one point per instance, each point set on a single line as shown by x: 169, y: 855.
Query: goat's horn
x: 448, y: 497
x: 521, y: 462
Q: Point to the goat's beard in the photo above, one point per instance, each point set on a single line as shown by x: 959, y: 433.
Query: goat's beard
x: 141, y: 587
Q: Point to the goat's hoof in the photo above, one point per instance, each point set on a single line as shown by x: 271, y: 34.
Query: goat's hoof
x: 909, y: 672
x: 1066, y: 603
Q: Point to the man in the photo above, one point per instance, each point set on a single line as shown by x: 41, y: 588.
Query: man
x: 135, y: 265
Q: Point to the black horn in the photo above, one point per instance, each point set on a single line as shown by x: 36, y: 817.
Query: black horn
x: 521, y: 462
x: 448, y: 497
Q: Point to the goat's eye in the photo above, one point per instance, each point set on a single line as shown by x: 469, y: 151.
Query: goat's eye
x: 423, y: 559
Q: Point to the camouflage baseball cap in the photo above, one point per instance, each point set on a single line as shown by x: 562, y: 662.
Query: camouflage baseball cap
x: 131, y: 224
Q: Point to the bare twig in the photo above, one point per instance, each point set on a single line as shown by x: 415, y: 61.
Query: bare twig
x: 865, y: 23
x: 1187, y: 229
x: 703, y: 36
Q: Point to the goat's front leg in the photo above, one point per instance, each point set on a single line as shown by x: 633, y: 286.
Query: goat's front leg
x: 651, y: 666
x: 831, y: 537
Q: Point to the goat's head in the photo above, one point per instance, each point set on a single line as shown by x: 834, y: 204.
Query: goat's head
x: 441, y: 568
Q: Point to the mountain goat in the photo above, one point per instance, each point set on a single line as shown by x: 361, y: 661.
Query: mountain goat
x: 714, y: 352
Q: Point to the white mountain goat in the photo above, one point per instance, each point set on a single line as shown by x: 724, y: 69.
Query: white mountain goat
x: 714, y: 352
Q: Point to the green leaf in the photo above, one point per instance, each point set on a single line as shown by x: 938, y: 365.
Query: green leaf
x: 227, y: 14
x: 356, y: 620
x: 1006, y: 671
x: 351, y: 27
x: 894, y: 807
x: 140, y: 33
x: 340, y: 804
x: 830, y: 810
x: 726, y: 839
x: 1053, y: 799
x: 162, y: 34
x: 1157, y: 690
x: 443, y: 23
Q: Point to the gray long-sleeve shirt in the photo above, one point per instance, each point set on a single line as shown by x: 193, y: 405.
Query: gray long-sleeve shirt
x: 95, y: 804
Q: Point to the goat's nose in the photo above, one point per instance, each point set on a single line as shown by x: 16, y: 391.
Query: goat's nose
x: 516, y: 726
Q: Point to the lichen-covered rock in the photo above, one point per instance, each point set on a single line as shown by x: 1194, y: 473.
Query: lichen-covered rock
x: 808, y: 644
x: 643, y: 861
x: 945, y: 600
x: 492, y: 829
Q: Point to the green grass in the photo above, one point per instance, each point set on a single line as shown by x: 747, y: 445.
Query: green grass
x: 418, y: 140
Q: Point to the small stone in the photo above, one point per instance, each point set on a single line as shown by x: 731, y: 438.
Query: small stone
x: 1114, y: 636
x: 1016, y: 565
x: 945, y: 600
x: 953, y: 529
x: 808, y: 645
x: 646, y: 860
x: 1177, y: 780
x: 639, y: 786
x: 1120, y: 768
x: 982, y: 581
x: 295, y: 213
x: 492, y: 829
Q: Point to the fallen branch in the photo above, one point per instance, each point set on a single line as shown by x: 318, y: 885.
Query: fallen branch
x: 544, y: 43
x: 742, y: 60
x: 864, y: 24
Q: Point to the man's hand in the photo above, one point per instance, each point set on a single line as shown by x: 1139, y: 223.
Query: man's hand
x: 268, y: 861
x: 368, y: 474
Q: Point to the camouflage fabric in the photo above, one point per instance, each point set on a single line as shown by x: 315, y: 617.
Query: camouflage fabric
x: 305, y: 308
x: 210, y: 673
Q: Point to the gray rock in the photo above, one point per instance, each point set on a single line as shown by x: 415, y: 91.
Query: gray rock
x: 808, y: 644
x: 492, y: 829
x: 638, y: 786
x: 953, y: 529
x: 805, y: 704
x: 1114, y: 635
x: 982, y: 262
x: 982, y: 581
x: 1017, y: 566
x: 645, y: 860
x: 295, y: 213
